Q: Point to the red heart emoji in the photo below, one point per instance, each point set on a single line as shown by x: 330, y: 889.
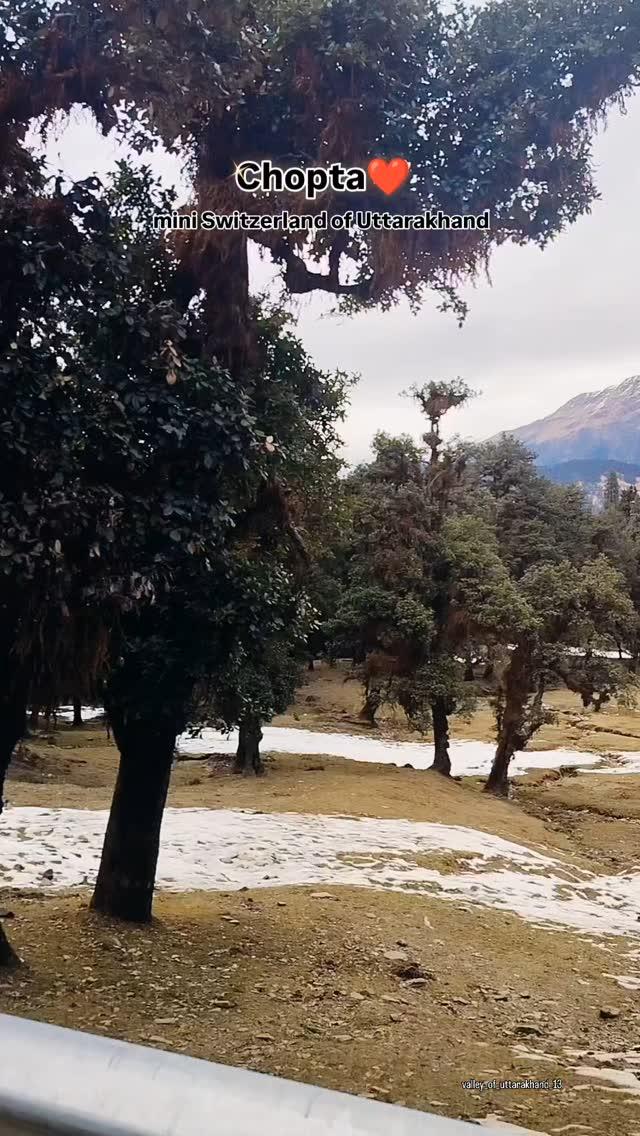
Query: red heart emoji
x: 389, y: 176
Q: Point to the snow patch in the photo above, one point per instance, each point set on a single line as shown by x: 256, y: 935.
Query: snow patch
x: 493, y: 1121
x: 627, y: 761
x: 226, y: 849
x: 624, y: 1079
x: 88, y: 712
x: 626, y: 981
x: 468, y: 758
x: 603, y: 1055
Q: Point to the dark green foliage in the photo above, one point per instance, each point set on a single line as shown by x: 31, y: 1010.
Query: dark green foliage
x: 493, y: 105
x: 269, y: 618
x: 276, y: 568
x: 575, y: 605
x: 535, y: 520
x: 425, y: 583
x: 629, y: 502
x: 123, y: 451
x: 612, y: 491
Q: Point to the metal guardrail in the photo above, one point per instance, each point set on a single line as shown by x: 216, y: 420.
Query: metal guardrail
x: 60, y: 1082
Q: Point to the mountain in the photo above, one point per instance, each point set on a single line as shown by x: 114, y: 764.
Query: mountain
x: 592, y: 471
x: 601, y: 426
x: 591, y: 474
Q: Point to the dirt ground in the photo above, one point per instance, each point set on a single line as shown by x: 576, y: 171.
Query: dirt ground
x: 281, y: 982
x: 399, y: 997
x: 79, y: 772
x: 332, y: 699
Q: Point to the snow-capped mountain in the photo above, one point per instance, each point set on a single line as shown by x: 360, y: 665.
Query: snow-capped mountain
x: 602, y: 426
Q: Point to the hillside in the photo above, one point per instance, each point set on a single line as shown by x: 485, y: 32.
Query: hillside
x: 592, y: 471
x: 597, y: 426
x: 591, y: 474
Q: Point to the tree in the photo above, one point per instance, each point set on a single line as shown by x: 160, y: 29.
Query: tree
x: 611, y: 495
x: 271, y: 618
x: 426, y: 582
x: 444, y: 469
x: 383, y: 621
x: 276, y: 580
x: 94, y: 424
x: 629, y: 502
x: 571, y: 616
x: 77, y: 711
x: 535, y: 520
x: 129, y: 459
x: 616, y: 534
x: 232, y: 630
x: 126, y: 458
x: 505, y: 121
x: 574, y: 601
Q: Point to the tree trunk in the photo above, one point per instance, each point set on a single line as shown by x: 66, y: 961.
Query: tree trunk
x: 124, y: 888
x: 221, y: 268
x: 34, y: 719
x: 440, y: 719
x: 370, y: 707
x: 77, y: 712
x: 469, y: 675
x: 517, y: 684
x: 50, y: 716
x: 247, y: 759
x: 8, y: 956
x: 310, y: 665
x: 498, y: 780
x: 13, y: 723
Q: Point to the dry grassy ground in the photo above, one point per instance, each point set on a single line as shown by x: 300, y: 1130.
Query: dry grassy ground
x: 316, y: 989
x: 79, y: 772
x: 280, y: 982
x: 332, y: 700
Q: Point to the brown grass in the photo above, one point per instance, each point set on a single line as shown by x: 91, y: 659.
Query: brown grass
x: 331, y: 699
x: 79, y: 772
x: 283, y: 983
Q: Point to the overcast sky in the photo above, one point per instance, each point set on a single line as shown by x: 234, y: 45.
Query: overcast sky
x: 548, y: 326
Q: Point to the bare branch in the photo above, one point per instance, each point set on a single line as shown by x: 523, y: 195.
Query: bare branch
x: 299, y: 279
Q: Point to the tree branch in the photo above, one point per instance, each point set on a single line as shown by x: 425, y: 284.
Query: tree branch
x: 299, y: 279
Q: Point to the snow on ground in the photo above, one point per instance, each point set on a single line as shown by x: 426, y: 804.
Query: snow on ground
x: 468, y: 758
x: 627, y: 761
x: 227, y: 849
x: 494, y: 1122
x: 88, y: 712
x: 624, y: 1079
x: 627, y: 982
